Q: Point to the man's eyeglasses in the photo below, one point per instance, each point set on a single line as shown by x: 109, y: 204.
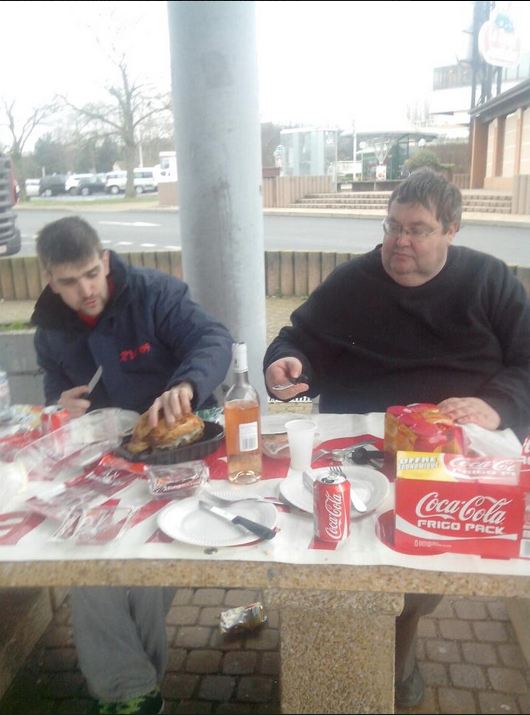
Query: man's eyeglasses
x: 415, y: 233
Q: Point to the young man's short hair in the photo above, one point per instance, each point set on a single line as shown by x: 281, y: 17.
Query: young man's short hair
x: 432, y: 190
x: 68, y: 240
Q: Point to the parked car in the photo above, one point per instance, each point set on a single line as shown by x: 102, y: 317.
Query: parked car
x: 85, y: 184
x: 144, y: 180
x: 32, y: 187
x: 10, y: 240
x: 52, y: 185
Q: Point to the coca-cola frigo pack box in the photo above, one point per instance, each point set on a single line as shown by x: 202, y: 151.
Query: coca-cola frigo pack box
x: 453, y: 503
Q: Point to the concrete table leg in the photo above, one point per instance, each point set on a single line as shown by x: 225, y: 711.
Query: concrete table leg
x: 337, y: 650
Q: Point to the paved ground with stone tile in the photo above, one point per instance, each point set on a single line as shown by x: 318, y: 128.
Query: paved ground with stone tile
x: 467, y: 651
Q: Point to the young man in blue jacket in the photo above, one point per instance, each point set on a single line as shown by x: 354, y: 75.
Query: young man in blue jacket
x: 160, y: 352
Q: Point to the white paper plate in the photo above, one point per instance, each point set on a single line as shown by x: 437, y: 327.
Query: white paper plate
x: 186, y: 521
x: 226, y: 491
x: 370, y: 484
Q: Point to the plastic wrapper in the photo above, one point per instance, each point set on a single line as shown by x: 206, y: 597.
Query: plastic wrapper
x: 77, y: 444
x: 212, y: 414
x: 13, y: 481
x: 58, y: 501
x: 177, y: 480
x: 275, y: 446
x: 242, y: 619
x: 95, y: 525
x: 421, y: 427
x: 21, y: 427
x: 110, y: 475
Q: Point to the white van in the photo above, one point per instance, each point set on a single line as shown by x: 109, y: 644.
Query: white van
x: 144, y: 180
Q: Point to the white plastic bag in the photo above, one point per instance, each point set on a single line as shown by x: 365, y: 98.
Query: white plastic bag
x: 13, y: 482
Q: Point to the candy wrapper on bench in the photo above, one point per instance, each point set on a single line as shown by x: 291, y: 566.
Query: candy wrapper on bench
x: 465, y: 504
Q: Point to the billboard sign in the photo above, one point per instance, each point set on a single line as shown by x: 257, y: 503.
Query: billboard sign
x: 498, y: 41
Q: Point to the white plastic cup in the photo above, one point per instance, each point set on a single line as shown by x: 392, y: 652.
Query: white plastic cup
x: 301, y: 436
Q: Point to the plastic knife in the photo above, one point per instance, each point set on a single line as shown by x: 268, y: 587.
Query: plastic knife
x: 95, y: 379
x: 259, y: 529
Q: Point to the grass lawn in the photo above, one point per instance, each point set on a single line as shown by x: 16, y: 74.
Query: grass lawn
x: 111, y: 203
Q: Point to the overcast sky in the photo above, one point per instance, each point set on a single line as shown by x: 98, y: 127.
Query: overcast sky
x: 319, y: 62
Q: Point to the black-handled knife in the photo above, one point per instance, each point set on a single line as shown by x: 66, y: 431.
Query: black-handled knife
x: 259, y: 529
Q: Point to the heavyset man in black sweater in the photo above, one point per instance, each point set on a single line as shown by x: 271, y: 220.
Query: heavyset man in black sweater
x: 414, y: 320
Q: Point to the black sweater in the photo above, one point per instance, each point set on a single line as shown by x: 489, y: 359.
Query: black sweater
x: 367, y: 343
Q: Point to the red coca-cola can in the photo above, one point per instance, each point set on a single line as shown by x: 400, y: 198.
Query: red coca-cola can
x: 331, y: 507
x: 53, y: 417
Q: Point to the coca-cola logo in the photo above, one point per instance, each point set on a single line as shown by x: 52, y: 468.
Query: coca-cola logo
x: 333, y: 508
x: 485, y: 465
x: 478, y: 508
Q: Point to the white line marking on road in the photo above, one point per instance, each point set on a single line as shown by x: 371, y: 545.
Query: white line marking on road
x: 140, y: 224
x: 148, y: 245
x: 124, y: 243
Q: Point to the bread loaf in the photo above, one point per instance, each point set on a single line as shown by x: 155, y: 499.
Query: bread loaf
x: 185, y: 430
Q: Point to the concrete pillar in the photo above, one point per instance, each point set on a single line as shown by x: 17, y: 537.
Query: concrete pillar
x: 215, y: 100
x: 519, y: 119
x: 337, y: 650
x: 499, y: 126
x: 479, y: 151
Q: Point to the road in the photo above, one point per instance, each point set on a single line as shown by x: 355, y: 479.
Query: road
x: 152, y: 229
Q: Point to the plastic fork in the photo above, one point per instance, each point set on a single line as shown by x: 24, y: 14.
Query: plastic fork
x: 287, y: 385
x: 356, y: 500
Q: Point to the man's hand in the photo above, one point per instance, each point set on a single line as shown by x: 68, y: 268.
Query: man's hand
x: 465, y: 410
x: 71, y: 400
x: 175, y: 403
x: 282, y: 372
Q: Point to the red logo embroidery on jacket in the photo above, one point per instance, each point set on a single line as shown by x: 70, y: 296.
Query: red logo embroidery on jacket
x: 132, y: 354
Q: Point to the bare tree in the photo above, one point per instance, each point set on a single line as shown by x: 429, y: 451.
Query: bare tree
x: 131, y: 104
x: 20, y: 133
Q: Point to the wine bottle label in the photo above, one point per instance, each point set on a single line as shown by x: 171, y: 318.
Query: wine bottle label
x: 248, y: 437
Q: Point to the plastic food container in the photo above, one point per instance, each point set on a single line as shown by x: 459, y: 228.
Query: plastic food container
x: 177, y: 480
x: 78, y: 443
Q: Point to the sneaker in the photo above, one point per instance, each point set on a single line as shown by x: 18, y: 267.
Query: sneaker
x: 410, y: 692
x: 149, y: 704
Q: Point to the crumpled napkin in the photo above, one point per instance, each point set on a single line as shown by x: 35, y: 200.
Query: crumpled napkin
x: 492, y: 443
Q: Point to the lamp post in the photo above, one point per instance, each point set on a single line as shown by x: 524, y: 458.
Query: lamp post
x: 354, y: 151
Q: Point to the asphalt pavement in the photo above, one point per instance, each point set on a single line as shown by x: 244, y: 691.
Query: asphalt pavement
x: 142, y: 225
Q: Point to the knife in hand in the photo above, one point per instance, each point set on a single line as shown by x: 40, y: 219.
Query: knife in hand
x: 259, y: 529
x: 95, y: 379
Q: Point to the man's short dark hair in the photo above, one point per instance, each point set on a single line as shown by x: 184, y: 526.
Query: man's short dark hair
x: 432, y: 190
x: 68, y: 240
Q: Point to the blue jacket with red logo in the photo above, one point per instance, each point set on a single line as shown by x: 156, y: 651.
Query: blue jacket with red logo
x: 150, y: 337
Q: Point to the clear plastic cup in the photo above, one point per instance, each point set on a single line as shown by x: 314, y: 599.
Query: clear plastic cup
x: 301, y: 435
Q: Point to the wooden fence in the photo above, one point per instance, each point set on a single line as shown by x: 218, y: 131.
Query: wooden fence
x: 282, y: 191
x: 287, y: 273
x: 277, y: 191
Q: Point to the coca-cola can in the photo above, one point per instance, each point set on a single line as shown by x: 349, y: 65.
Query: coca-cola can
x: 331, y: 507
x: 53, y: 417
